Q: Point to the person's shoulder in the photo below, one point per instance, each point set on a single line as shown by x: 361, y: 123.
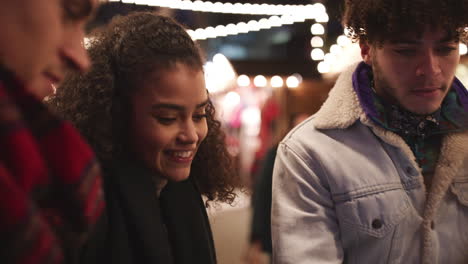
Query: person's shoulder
x: 304, y: 136
x: 305, y: 130
x: 307, y: 137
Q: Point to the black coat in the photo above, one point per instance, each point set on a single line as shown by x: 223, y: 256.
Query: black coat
x: 139, y: 228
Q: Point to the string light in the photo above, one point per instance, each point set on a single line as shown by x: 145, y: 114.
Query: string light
x: 329, y: 59
x: 279, y: 15
x: 241, y: 27
x: 308, y: 11
x: 333, y: 61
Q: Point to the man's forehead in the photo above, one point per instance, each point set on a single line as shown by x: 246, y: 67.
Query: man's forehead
x: 433, y: 35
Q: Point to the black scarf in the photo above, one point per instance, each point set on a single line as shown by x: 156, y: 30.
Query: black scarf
x: 140, y: 228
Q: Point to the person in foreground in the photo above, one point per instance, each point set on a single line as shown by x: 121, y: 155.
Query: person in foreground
x: 145, y: 109
x: 50, y: 185
x: 380, y: 173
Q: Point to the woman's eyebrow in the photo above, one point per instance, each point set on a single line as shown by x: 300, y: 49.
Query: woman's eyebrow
x: 168, y: 106
x: 200, y: 105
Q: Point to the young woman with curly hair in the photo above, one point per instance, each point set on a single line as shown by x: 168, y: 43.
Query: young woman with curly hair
x: 145, y: 110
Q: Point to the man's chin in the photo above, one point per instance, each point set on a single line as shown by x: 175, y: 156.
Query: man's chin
x: 422, y: 110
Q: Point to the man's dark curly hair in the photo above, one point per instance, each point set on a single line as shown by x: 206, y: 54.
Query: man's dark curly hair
x: 378, y: 21
x: 123, y: 54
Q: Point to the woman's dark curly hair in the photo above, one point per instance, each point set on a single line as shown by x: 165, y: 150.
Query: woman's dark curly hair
x: 377, y: 21
x: 123, y: 54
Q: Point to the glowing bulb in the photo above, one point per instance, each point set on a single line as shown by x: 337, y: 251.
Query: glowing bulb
x: 317, y: 54
x: 260, y: 81
x: 329, y: 58
x: 336, y: 49
x: 253, y: 25
x: 276, y: 81
x: 200, y: 33
x: 317, y: 29
x: 322, y: 18
x: 275, y: 21
x: 227, y: 8
x: 316, y: 42
x: 221, y: 31
x: 292, y: 82
x: 287, y: 20
x: 232, y: 99
x: 218, y: 7
x: 231, y: 29
x: 243, y: 80
x: 343, y: 41
x: 242, y: 27
x: 237, y: 8
x: 323, y: 67
x: 320, y: 8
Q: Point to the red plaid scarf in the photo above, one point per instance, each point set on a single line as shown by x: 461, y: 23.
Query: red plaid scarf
x: 50, y: 183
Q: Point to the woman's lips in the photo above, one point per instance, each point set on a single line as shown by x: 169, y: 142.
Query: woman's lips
x: 181, y: 156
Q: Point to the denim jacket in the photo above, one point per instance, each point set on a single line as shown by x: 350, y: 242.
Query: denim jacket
x: 347, y: 191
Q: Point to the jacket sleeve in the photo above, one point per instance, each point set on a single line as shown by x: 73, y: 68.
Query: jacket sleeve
x: 304, y: 223
x: 26, y: 236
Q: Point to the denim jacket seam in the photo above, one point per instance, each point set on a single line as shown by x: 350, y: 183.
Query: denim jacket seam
x: 366, y: 191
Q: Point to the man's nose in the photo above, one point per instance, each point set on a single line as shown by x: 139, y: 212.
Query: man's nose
x: 73, y: 52
x: 429, y: 65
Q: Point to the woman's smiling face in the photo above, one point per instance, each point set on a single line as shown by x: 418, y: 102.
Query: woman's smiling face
x: 168, y: 121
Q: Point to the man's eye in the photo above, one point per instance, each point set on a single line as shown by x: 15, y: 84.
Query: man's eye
x: 406, y: 52
x: 446, y: 50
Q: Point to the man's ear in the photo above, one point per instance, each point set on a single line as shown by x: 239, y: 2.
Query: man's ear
x: 366, y: 52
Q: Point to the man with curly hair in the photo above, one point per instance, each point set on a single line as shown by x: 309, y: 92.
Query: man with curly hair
x: 380, y: 173
x: 50, y: 185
